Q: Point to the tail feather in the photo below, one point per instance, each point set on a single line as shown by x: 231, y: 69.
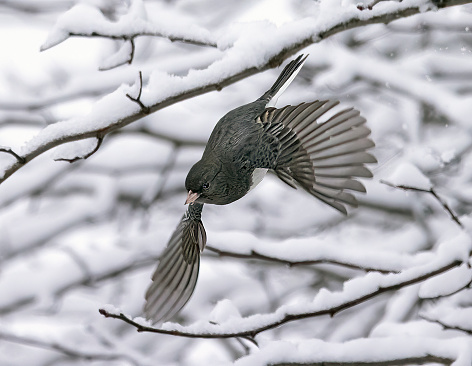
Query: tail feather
x: 322, y: 158
x: 284, y: 80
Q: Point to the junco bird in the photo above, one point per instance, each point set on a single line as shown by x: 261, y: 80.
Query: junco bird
x: 322, y: 158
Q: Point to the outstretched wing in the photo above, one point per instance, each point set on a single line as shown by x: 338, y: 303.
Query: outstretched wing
x: 322, y: 158
x: 176, y: 274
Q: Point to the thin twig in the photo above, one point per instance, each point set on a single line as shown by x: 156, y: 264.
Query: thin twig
x: 430, y: 191
x: 128, y: 61
x: 436, y: 296
x: 371, y: 5
x: 144, y: 109
x: 131, y: 55
x: 445, y: 325
x: 256, y: 255
x: 86, y: 156
x: 8, y: 150
x: 187, y: 40
x: 288, y: 317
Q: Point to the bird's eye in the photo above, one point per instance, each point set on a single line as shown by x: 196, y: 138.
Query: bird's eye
x: 206, y: 186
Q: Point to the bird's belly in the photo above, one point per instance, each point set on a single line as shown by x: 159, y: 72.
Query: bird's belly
x: 257, y: 176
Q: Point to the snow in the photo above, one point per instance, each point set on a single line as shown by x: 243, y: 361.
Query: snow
x: 312, y: 249
x: 106, y: 112
x: 261, y: 41
x: 87, y: 20
x: 353, y: 290
x: 451, y: 316
x: 111, y: 309
x: 447, y: 284
x: 224, y: 311
x: 74, y: 149
x: 142, y: 321
x: 363, y: 350
x: 122, y: 56
x: 76, y: 236
x: 406, y: 174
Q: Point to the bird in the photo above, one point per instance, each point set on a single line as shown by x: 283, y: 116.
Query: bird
x: 322, y: 158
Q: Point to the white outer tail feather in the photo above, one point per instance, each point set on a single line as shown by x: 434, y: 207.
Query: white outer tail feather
x: 274, y: 99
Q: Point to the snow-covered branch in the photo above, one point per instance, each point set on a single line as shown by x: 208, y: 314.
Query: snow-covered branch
x: 383, y: 351
x: 164, y: 90
x: 273, y: 259
x: 355, y: 292
x: 130, y: 26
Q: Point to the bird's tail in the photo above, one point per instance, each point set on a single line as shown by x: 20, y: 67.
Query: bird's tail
x: 284, y: 80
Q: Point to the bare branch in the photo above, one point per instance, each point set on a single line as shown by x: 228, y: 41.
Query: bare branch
x: 131, y: 37
x: 430, y: 191
x: 8, y: 150
x: 259, y: 256
x: 287, y: 317
x: 144, y: 109
x: 86, y: 156
x: 371, y: 5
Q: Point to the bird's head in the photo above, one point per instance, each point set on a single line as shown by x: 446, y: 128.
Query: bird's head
x: 201, y: 183
x: 209, y: 183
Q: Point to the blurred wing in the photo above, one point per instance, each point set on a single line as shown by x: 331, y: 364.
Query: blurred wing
x: 176, y: 275
x: 322, y: 158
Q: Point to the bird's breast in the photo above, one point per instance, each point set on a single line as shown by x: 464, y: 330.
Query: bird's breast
x: 257, y: 175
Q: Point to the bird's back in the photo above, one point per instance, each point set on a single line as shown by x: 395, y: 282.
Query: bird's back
x: 236, y: 133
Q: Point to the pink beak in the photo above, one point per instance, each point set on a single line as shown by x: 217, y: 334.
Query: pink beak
x: 192, y: 196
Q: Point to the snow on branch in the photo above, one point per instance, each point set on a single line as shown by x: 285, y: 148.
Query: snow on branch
x: 385, y: 351
x: 115, y: 110
x: 451, y: 316
x: 99, y: 141
x: 254, y: 254
x: 84, y: 20
x: 309, y: 251
x: 450, y: 254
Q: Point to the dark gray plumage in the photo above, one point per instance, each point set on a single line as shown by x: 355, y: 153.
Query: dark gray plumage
x: 322, y: 158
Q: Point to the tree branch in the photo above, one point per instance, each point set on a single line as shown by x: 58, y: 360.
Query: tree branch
x: 276, y: 59
x: 259, y: 256
x: 86, y: 156
x: 133, y: 36
x: 137, y: 100
x: 430, y: 191
x: 287, y: 317
x: 420, y: 360
x: 8, y: 150
x: 445, y: 325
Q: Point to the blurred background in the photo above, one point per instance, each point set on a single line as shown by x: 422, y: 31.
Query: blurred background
x: 74, y: 237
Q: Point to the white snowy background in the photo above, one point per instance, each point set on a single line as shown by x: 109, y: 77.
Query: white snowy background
x: 284, y: 279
